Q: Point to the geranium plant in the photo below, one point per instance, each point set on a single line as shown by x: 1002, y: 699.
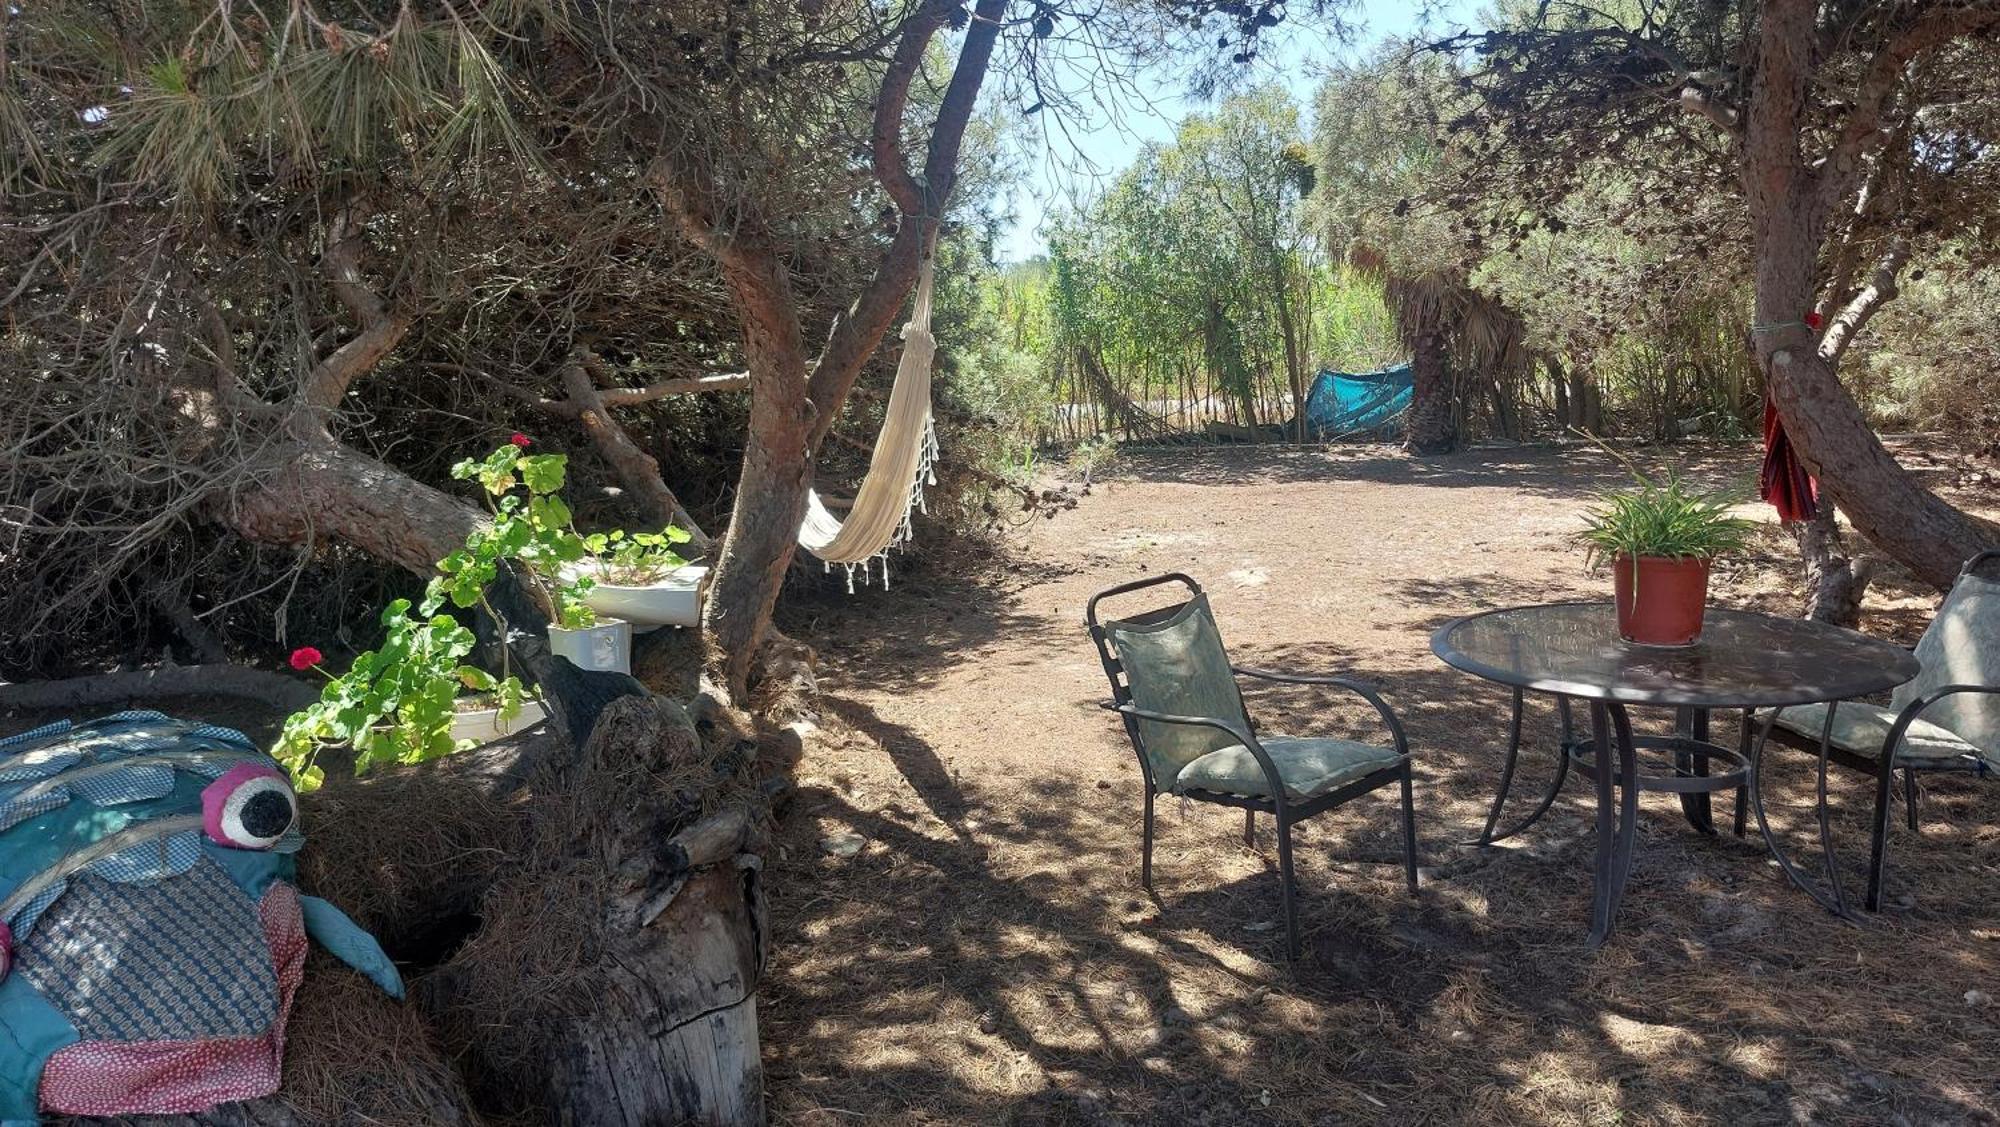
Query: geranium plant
x: 395, y: 703
x: 531, y: 526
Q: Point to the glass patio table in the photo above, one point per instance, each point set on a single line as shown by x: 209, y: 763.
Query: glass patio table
x: 1743, y: 661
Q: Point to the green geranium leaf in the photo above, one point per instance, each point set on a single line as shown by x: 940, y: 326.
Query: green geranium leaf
x: 543, y: 473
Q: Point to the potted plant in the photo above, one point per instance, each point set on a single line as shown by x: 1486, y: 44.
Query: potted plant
x: 1660, y: 538
x: 532, y: 526
x: 401, y: 702
x: 414, y: 697
x: 640, y: 577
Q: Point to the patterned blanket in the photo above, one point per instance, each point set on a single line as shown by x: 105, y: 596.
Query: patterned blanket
x: 151, y: 934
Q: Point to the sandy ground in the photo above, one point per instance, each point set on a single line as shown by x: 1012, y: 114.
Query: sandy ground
x: 987, y: 955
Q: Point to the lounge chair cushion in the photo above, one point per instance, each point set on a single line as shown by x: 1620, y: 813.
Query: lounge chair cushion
x: 1176, y: 665
x: 1309, y: 767
x: 1861, y: 728
x: 1962, y: 647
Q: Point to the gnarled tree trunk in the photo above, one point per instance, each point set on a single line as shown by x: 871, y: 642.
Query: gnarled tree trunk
x: 309, y: 490
x: 1836, y: 582
x: 795, y: 398
x: 1790, y: 205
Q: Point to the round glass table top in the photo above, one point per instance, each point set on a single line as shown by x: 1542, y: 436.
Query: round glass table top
x: 1743, y: 660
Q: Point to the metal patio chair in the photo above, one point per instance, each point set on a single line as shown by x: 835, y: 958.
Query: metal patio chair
x: 1173, y: 684
x: 1946, y: 719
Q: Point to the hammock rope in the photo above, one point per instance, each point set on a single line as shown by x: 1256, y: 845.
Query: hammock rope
x: 899, y: 467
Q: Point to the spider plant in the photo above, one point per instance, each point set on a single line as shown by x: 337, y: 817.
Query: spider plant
x: 1663, y: 518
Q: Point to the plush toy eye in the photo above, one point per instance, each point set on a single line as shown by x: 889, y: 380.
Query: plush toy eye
x: 249, y: 807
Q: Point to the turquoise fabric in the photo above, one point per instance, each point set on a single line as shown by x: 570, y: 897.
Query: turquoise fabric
x: 31, y: 1031
x: 32, y: 1027
x: 1178, y: 666
x: 1345, y: 403
x: 344, y: 940
x: 1307, y: 767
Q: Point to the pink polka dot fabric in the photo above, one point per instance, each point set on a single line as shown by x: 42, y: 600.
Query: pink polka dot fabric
x: 169, y: 1077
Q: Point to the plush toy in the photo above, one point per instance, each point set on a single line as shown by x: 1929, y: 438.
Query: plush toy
x: 151, y: 933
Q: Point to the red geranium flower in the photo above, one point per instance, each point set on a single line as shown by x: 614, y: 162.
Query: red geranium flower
x: 305, y: 657
x: 1814, y: 321
x: 520, y: 440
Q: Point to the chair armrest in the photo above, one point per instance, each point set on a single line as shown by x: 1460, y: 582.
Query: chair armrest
x: 1402, y: 744
x: 1911, y: 711
x: 1237, y: 732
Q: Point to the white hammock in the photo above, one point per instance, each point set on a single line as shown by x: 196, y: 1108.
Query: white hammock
x: 899, y: 468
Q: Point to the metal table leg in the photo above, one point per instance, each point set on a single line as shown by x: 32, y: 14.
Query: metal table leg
x: 1624, y: 846
x: 1506, y: 772
x: 1564, y: 743
x: 1615, y: 837
x: 1832, y: 898
x: 1693, y: 724
x: 1601, y: 870
x: 1617, y: 828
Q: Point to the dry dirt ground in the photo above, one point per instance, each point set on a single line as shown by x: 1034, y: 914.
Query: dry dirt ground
x: 988, y: 957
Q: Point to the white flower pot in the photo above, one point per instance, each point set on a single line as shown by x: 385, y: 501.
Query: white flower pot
x: 674, y: 599
x: 484, y: 725
x: 605, y: 647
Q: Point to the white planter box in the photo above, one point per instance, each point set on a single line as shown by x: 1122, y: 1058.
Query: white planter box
x: 485, y: 725
x: 604, y: 648
x: 674, y: 599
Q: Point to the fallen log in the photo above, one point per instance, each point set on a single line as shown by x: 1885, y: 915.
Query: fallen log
x: 282, y: 693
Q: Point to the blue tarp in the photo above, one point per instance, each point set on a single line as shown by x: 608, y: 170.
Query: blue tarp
x: 1347, y: 403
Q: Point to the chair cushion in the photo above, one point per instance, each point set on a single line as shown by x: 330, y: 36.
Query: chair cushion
x: 1308, y: 767
x: 1175, y: 664
x: 1861, y: 728
x: 1962, y: 647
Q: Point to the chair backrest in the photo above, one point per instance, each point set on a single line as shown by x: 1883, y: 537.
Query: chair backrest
x: 1170, y: 660
x: 1962, y: 647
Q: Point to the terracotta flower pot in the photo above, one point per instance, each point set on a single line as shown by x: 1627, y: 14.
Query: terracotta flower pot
x: 1664, y: 607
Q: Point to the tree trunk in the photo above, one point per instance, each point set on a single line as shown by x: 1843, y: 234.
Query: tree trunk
x: 1559, y: 392
x: 1788, y: 216
x: 1505, y: 419
x: 314, y: 489
x: 586, y: 945
x: 671, y: 1035
x: 1294, y: 365
x: 644, y: 1008
x: 1835, y: 582
x: 763, y: 536
x: 777, y: 470
x: 1430, y: 429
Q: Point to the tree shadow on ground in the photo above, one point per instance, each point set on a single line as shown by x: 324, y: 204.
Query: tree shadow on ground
x: 989, y: 958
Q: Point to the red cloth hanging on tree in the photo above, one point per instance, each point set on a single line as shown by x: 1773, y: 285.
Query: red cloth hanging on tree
x: 1785, y: 482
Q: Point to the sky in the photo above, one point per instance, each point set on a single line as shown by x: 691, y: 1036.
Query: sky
x: 1072, y: 169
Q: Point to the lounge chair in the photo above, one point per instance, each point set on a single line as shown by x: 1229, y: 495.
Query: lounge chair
x: 1946, y: 719
x: 1173, y: 684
